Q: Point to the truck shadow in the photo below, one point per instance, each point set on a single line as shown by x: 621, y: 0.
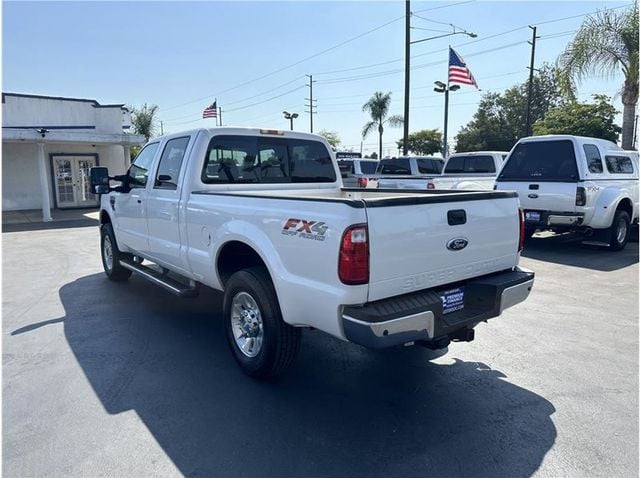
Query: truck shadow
x: 568, y: 250
x: 342, y: 410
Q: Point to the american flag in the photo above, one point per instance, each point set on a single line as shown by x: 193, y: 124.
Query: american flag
x: 211, y: 111
x: 458, y: 71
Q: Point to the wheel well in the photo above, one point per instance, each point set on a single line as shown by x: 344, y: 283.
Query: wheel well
x: 625, y: 205
x: 236, y: 256
x: 104, y: 218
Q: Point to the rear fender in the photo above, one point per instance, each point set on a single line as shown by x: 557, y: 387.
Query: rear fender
x: 605, y: 207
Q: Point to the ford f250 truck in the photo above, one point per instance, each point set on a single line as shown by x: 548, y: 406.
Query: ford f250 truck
x: 262, y: 216
x: 574, y: 183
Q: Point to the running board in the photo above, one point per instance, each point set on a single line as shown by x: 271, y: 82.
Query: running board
x: 173, y: 286
x: 596, y: 243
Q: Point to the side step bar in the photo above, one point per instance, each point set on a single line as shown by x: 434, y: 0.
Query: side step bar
x: 173, y: 286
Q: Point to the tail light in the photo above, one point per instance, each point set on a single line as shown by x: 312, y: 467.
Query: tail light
x: 522, y: 235
x: 362, y: 182
x: 430, y: 185
x: 353, y: 265
x: 581, y: 196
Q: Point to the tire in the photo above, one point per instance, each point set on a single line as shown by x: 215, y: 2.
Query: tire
x: 619, y: 231
x: 270, y: 344
x: 111, y: 255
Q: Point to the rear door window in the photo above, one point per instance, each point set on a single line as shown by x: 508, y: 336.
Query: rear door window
x: 249, y: 159
x: 394, y: 166
x: 170, y: 163
x: 594, y: 161
x: 619, y: 164
x: 541, y: 161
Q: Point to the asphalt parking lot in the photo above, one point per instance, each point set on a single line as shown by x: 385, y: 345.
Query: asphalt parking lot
x: 105, y: 379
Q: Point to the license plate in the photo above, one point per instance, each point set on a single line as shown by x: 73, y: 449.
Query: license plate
x: 452, y: 300
x: 532, y: 216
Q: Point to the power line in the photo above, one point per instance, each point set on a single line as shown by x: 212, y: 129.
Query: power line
x: 326, y: 50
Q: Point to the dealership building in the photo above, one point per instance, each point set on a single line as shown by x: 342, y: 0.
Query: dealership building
x: 50, y: 143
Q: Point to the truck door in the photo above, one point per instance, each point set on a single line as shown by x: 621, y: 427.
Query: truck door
x: 163, y: 204
x: 130, y: 207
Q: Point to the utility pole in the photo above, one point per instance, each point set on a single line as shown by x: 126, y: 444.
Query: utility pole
x: 220, y: 114
x: 527, y: 131
x: 407, y: 60
x: 310, y: 105
x: 161, y: 128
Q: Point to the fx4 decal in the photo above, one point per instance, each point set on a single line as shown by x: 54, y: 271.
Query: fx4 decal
x: 305, y: 229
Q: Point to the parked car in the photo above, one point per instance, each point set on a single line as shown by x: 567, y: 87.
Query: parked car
x: 262, y: 216
x: 355, y: 172
x: 573, y: 183
x: 394, y: 173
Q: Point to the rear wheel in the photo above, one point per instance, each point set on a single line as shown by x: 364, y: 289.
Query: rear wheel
x: 111, y: 255
x: 261, y: 342
x: 619, y: 231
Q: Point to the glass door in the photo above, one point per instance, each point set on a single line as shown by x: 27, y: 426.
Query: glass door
x: 72, y: 182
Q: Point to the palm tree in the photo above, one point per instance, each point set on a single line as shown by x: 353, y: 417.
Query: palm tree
x: 378, y: 108
x: 143, y: 120
x: 606, y: 42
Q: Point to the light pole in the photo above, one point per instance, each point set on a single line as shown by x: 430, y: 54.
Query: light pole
x: 445, y: 88
x: 407, y: 64
x: 290, y: 117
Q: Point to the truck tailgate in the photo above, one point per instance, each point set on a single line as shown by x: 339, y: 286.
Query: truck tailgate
x: 543, y: 196
x: 439, y: 239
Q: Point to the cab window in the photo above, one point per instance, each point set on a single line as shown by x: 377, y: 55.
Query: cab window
x: 139, y: 169
x: 594, y: 161
x: 170, y: 163
x: 394, y: 166
x: 248, y: 159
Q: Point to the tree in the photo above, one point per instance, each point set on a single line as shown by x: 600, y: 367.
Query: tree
x: 143, y: 120
x: 581, y: 119
x: 501, y: 118
x: 378, y: 108
x: 606, y: 43
x: 332, y: 138
x: 423, y: 142
x: 374, y: 155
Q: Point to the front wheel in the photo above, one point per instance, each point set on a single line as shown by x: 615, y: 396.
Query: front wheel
x: 261, y: 342
x: 111, y: 255
x: 619, y: 231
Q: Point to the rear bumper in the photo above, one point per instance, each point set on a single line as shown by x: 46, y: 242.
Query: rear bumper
x: 553, y: 218
x: 418, y: 316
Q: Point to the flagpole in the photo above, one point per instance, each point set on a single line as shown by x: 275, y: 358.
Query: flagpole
x: 446, y: 109
x: 215, y: 102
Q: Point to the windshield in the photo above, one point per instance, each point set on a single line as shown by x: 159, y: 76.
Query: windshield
x: 541, y: 161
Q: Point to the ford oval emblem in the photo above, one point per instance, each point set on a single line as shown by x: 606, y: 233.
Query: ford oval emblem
x: 457, y: 244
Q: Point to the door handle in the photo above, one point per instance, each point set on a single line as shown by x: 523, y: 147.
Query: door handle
x: 139, y: 201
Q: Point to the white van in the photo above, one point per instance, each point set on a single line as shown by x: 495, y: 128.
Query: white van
x: 574, y: 183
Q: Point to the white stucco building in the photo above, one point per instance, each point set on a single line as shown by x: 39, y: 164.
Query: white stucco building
x: 49, y: 144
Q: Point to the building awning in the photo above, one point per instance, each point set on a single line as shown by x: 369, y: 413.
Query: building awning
x: 18, y: 135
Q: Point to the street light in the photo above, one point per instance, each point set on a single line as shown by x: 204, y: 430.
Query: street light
x: 407, y: 62
x: 445, y: 88
x: 290, y: 117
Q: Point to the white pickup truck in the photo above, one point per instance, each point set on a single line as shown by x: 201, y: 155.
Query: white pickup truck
x: 473, y: 171
x: 574, y: 183
x: 262, y: 216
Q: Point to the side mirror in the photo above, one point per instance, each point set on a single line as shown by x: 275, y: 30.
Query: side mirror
x: 99, y: 180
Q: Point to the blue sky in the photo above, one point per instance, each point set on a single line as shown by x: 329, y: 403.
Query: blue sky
x: 181, y: 56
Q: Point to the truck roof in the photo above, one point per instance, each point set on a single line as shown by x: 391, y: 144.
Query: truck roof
x: 603, y: 143
x: 471, y: 153
x: 273, y: 132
